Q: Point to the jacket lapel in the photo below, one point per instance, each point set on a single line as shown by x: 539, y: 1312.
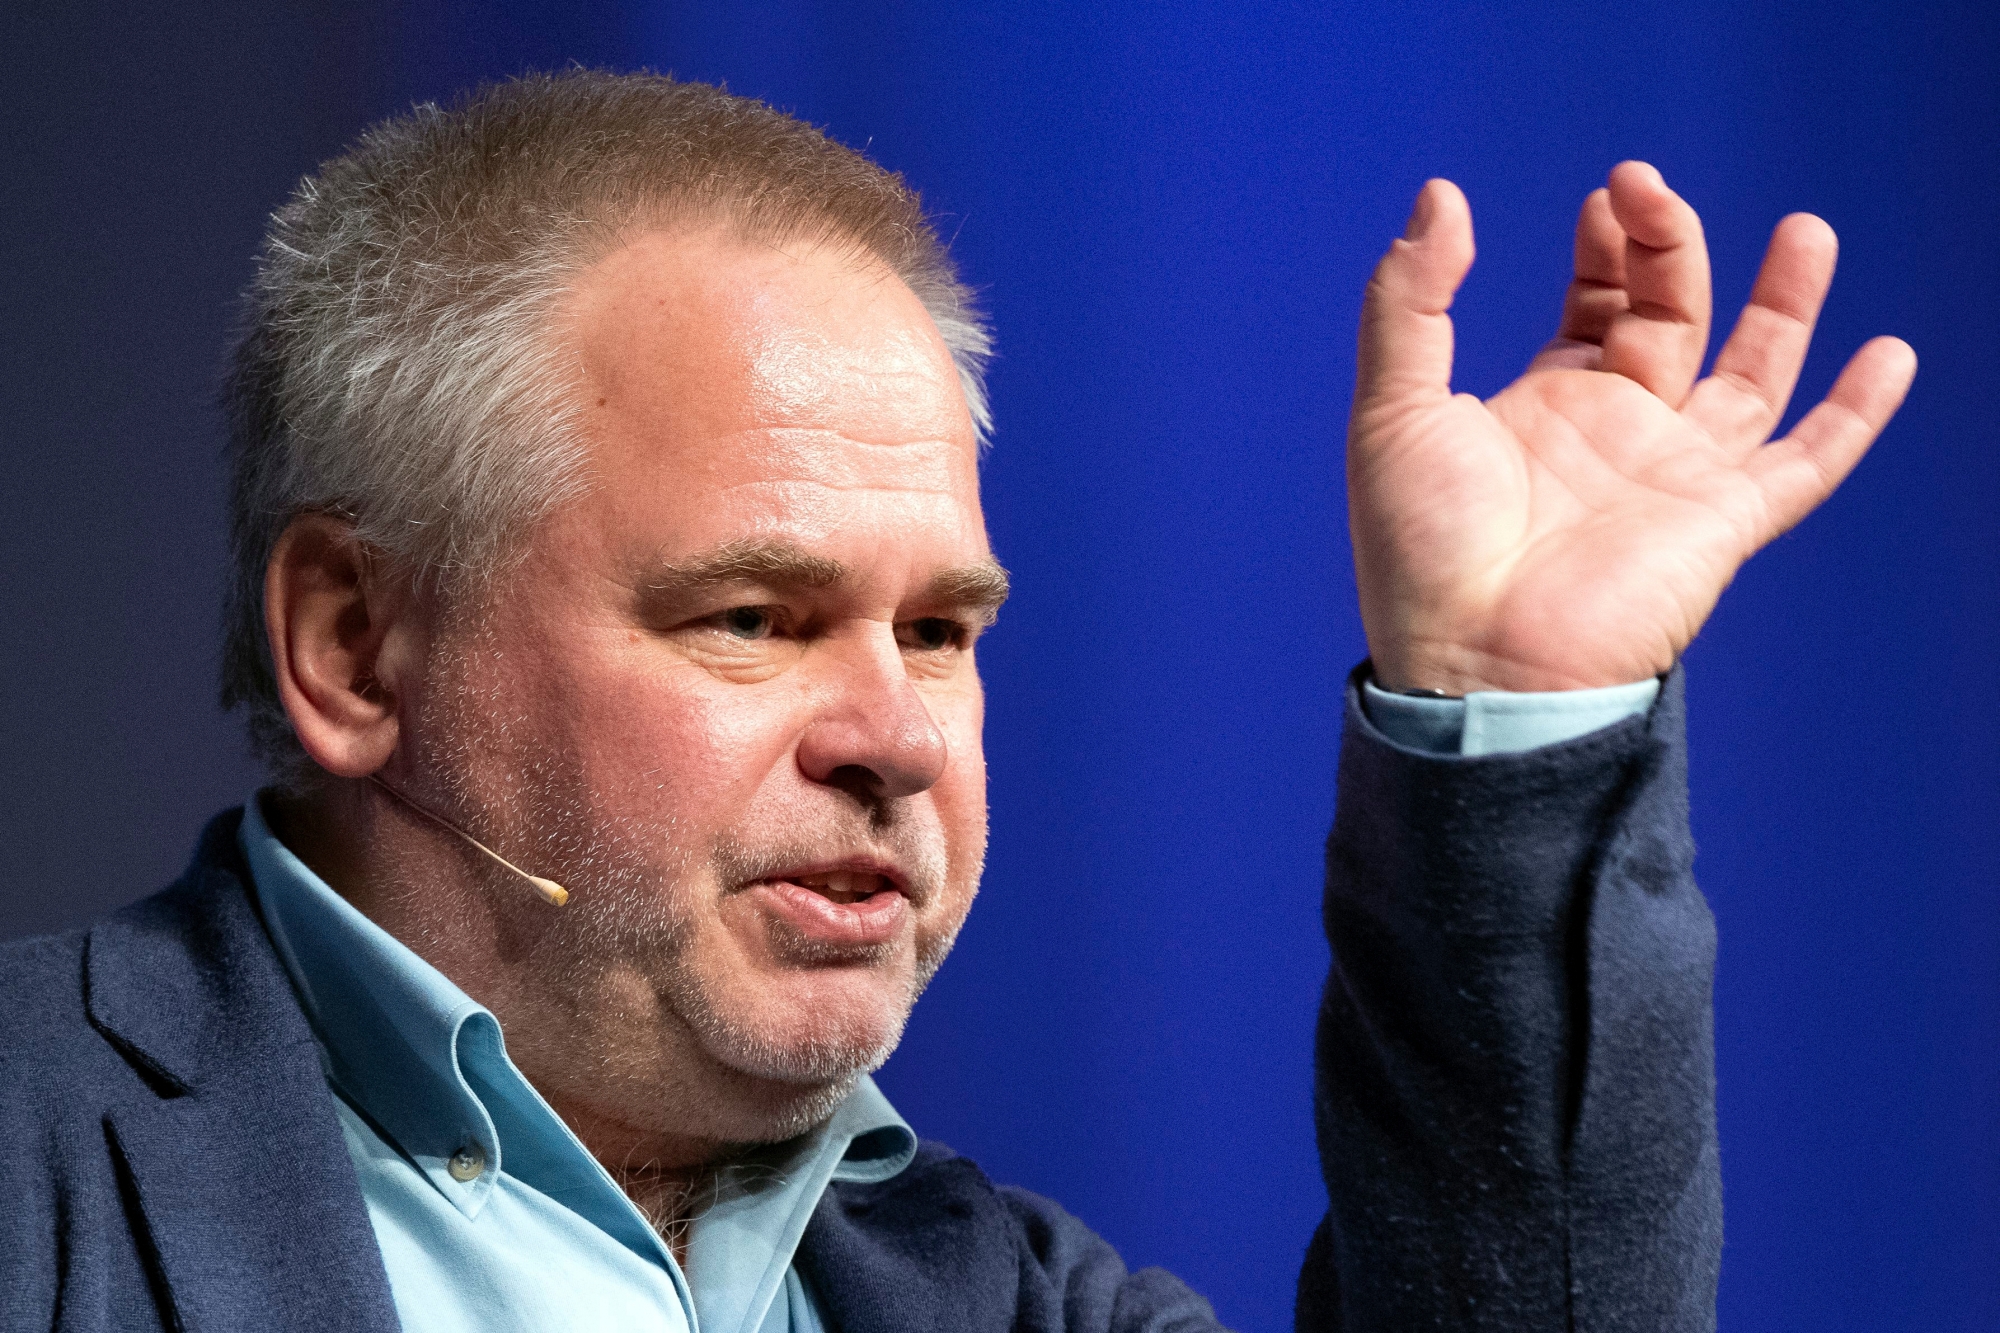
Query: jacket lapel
x: 236, y: 1163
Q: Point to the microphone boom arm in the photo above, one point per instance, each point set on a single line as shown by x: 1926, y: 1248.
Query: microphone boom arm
x: 552, y: 893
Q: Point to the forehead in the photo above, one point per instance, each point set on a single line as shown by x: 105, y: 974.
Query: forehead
x: 729, y: 388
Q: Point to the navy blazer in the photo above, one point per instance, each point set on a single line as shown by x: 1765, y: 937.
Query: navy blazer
x: 1514, y: 1096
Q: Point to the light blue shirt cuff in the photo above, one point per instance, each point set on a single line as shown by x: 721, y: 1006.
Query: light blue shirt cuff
x: 1497, y: 722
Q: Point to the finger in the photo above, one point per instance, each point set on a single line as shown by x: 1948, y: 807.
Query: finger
x: 1596, y: 294
x: 1658, y: 341
x: 1406, y: 340
x: 1741, y: 401
x: 1799, y: 471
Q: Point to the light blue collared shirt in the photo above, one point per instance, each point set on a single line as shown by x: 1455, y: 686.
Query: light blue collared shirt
x: 1495, y: 722
x: 541, y: 1238
x: 490, y: 1213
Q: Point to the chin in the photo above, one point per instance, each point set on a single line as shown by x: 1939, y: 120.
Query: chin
x: 795, y: 1051
x: 768, y: 1111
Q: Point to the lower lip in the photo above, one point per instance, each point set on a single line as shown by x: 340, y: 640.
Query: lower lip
x: 873, y: 920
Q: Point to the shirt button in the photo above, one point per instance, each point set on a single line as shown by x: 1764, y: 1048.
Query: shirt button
x: 467, y: 1163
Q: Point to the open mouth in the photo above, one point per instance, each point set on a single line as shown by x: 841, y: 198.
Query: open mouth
x: 845, y: 887
x: 847, y: 907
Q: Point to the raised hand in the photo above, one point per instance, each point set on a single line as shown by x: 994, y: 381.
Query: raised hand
x: 1576, y: 529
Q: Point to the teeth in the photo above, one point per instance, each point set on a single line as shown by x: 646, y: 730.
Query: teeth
x: 843, y: 886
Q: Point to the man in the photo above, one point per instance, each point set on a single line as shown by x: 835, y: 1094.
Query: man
x: 609, y: 566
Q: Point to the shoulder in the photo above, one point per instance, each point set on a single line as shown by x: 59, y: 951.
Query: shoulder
x: 945, y: 1244
x: 1096, y: 1289
x: 61, y: 1076
x: 63, y: 997
x: 41, y: 1006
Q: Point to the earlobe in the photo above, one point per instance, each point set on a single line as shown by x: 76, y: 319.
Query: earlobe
x: 329, y: 614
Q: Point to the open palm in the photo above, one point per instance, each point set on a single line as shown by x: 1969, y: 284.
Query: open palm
x: 1576, y: 529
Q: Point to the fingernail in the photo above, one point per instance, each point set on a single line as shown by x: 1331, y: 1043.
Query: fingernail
x: 1420, y: 216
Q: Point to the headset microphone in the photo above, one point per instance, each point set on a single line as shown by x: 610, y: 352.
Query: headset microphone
x: 552, y: 893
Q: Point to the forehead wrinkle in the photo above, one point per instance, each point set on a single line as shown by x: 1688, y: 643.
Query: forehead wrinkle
x: 802, y: 438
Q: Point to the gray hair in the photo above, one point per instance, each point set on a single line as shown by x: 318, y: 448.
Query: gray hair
x: 395, y: 368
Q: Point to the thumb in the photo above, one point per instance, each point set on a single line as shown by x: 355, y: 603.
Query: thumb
x: 1406, y: 341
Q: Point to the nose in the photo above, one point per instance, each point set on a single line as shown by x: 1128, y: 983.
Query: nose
x: 874, y: 735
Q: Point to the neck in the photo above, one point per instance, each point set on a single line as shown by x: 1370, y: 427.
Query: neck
x: 669, y: 1181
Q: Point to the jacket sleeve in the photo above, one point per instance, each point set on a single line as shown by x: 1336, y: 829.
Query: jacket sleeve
x: 1514, y: 1071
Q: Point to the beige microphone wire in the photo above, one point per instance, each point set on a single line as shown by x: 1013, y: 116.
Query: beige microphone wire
x: 554, y: 894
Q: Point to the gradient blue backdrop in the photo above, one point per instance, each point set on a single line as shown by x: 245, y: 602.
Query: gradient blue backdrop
x: 1172, y: 212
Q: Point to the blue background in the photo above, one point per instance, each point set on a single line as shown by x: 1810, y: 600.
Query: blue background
x: 1172, y: 212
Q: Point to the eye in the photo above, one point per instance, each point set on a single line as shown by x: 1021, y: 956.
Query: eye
x: 747, y: 622
x: 931, y: 634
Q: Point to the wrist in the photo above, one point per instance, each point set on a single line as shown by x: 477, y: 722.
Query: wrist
x: 1450, y: 674
x: 1454, y: 672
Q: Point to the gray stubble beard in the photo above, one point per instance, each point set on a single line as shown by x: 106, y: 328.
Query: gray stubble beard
x: 628, y: 876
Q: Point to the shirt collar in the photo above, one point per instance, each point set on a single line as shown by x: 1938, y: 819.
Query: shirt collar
x: 426, y: 1064
x: 873, y: 1142
x: 742, y: 1243
x: 388, y: 1023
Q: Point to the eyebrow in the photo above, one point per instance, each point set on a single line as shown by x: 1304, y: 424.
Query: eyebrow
x: 979, y: 588
x: 778, y: 564
x: 781, y: 566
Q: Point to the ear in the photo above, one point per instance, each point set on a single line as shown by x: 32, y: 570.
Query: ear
x: 341, y: 628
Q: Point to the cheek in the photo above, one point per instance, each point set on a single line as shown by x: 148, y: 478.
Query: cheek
x: 647, y: 737
x: 961, y: 805
x: 960, y: 801
x: 961, y: 793
x: 710, y: 749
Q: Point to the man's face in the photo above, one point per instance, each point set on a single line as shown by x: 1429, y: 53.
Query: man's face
x: 729, y: 699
